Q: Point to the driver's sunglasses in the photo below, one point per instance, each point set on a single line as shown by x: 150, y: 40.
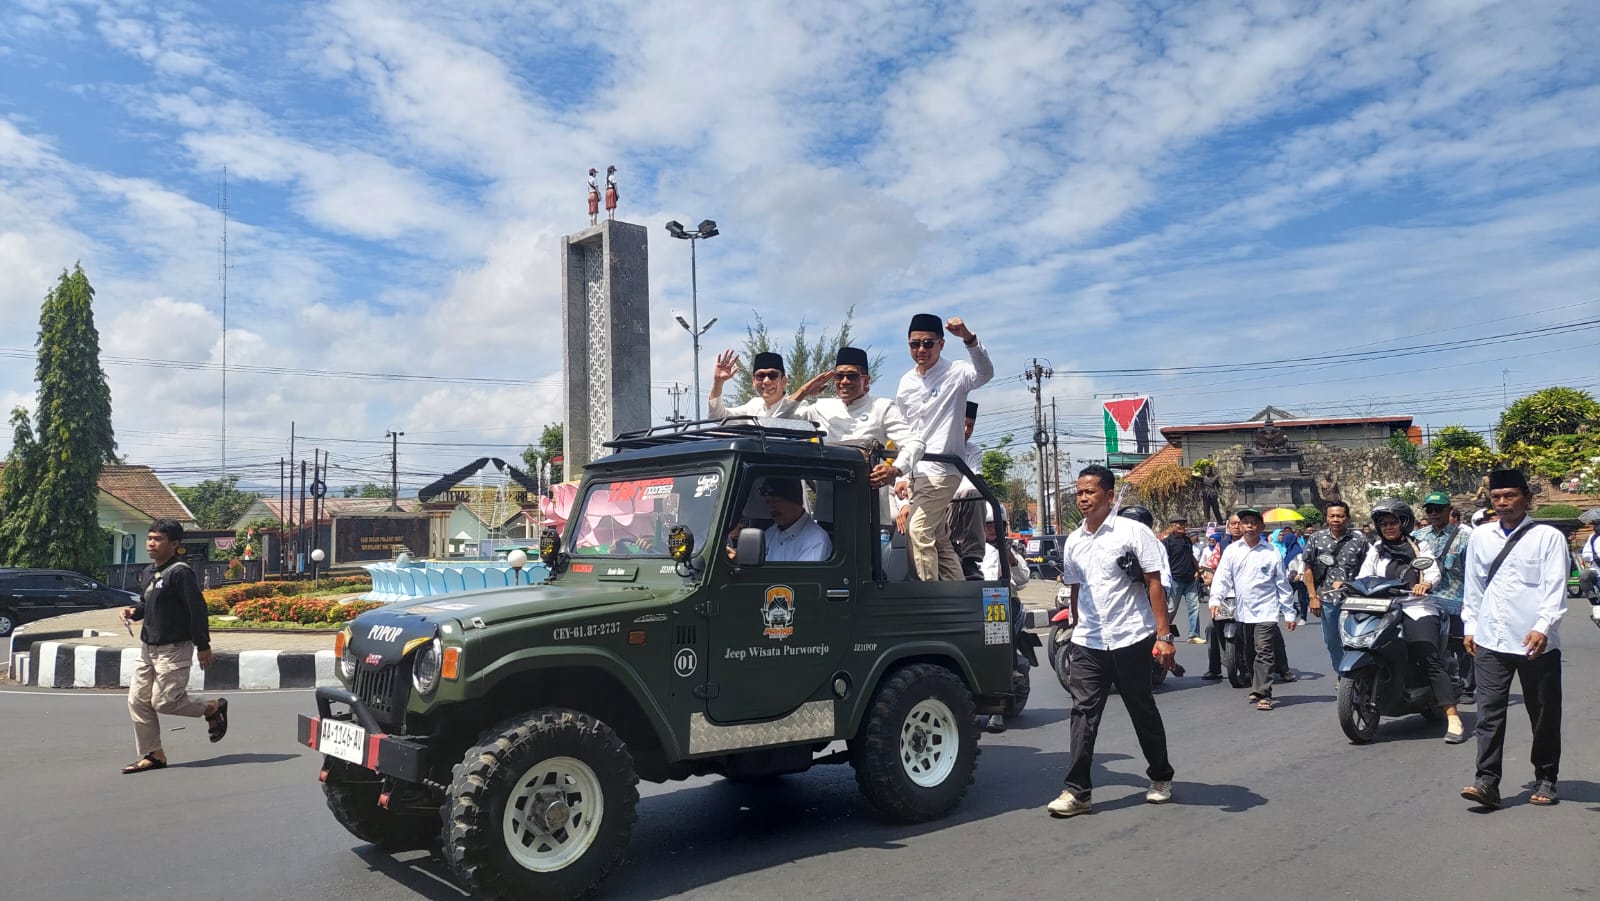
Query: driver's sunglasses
x: 847, y: 376
x: 924, y: 343
x: 766, y: 375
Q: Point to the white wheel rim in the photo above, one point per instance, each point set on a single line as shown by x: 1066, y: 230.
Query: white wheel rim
x: 929, y: 743
x: 553, y: 814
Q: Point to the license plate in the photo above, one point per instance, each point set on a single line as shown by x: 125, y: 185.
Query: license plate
x: 346, y: 741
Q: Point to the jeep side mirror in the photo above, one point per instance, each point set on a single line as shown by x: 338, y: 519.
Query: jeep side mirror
x: 750, y: 549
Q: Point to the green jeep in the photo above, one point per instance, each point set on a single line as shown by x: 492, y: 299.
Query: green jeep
x: 665, y: 645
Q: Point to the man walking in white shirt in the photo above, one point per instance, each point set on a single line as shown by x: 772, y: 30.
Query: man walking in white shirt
x: 1113, y: 565
x: 1251, y: 572
x: 933, y: 397
x: 1513, y: 602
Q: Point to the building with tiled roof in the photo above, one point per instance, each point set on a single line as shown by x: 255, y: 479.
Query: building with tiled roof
x: 131, y: 497
x: 1202, y: 441
x: 1166, y: 456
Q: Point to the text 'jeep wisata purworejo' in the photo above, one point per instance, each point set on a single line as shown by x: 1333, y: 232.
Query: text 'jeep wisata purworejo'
x: 509, y: 728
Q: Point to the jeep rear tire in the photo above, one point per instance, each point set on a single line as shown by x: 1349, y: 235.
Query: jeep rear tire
x: 352, y: 795
x: 918, y: 745
x: 541, y: 808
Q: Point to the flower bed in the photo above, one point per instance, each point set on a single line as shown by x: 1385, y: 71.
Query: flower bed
x: 229, y: 601
x: 301, y: 610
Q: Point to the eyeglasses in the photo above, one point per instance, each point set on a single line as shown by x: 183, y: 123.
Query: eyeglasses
x: 925, y: 343
x: 847, y: 376
x: 766, y: 375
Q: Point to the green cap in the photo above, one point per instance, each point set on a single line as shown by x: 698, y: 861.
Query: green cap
x: 1436, y: 499
x: 1247, y: 511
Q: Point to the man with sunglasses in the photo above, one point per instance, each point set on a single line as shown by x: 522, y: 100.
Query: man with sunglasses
x: 933, y: 396
x: 857, y: 418
x: 766, y: 377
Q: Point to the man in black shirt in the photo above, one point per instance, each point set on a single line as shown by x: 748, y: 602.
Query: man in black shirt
x: 1185, y: 585
x: 174, y: 634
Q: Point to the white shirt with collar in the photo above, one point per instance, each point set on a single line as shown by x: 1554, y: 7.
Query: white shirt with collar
x: 1113, y: 610
x: 990, y: 566
x: 935, y: 404
x: 783, y: 408
x: 803, y: 542
x: 1591, y: 549
x: 1374, y: 564
x: 1528, y: 594
x: 1255, y: 578
x: 860, y: 423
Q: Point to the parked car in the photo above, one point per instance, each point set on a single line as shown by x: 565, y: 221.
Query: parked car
x: 27, y: 595
x: 1044, y: 555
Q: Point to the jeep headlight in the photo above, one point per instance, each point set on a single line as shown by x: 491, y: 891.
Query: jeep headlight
x: 347, y: 658
x: 425, y: 669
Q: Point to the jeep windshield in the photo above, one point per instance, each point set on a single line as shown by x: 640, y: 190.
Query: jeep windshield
x: 631, y: 517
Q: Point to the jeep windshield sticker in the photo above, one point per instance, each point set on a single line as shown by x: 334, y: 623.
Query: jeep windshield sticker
x: 783, y: 650
x: 623, y: 492
x: 777, y: 612
x: 583, y: 567
x: 707, y: 485
x: 593, y: 630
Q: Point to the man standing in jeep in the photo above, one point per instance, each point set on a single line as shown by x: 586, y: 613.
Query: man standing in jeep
x: 1113, y: 565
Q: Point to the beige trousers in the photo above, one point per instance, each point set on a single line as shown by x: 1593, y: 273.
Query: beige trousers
x: 161, y: 685
x: 933, y: 556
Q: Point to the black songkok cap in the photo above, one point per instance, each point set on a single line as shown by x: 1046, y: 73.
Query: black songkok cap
x: 852, y: 356
x: 972, y: 409
x: 926, y: 322
x: 782, y: 486
x: 767, y: 360
x: 1508, y: 478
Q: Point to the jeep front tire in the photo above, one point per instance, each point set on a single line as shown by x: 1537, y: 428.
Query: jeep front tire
x: 541, y: 808
x: 918, y: 745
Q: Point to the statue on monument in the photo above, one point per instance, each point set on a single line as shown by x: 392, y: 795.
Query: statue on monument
x: 594, y: 196
x: 611, y: 192
x: 1210, y: 490
x: 1328, y: 491
x: 1270, y: 439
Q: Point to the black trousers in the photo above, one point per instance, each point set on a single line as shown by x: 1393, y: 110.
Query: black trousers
x: 1268, y: 640
x: 1466, y: 670
x: 1280, y: 663
x: 1090, y: 677
x: 1541, y: 695
x: 1422, y: 642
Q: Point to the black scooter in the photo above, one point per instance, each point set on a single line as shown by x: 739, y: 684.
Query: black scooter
x: 1378, y: 677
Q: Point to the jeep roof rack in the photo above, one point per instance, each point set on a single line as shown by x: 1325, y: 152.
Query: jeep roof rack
x: 712, y: 429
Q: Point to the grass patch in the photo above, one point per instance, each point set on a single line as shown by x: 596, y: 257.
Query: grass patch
x: 234, y: 624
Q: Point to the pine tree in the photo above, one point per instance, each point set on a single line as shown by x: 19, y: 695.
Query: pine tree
x: 59, y: 520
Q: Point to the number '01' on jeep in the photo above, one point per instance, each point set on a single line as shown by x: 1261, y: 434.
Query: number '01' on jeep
x: 510, y: 726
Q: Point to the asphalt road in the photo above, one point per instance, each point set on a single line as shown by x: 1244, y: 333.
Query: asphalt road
x: 1268, y: 805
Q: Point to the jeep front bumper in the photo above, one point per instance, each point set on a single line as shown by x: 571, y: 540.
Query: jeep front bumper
x: 358, y: 738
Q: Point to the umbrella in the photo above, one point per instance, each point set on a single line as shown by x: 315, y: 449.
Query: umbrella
x: 1282, y: 514
x: 1590, y: 516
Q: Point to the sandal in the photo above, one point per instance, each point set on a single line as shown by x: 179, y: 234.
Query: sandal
x: 1264, y: 704
x: 144, y: 764
x: 219, y: 721
x: 1544, y: 794
x: 1483, y: 795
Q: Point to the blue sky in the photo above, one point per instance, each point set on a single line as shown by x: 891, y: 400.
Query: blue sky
x: 1108, y: 186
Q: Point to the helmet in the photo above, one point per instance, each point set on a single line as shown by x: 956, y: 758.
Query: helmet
x: 1140, y: 514
x: 1392, y: 506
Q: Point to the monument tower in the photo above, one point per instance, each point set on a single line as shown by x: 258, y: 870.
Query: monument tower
x: 605, y: 320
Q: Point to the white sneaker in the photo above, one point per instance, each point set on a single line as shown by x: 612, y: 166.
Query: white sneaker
x: 1068, y: 805
x: 1159, y: 793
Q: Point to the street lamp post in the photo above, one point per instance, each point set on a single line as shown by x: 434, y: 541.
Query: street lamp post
x: 706, y: 229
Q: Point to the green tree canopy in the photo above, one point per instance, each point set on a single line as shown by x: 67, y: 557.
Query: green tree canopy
x: 1541, y: 416
x: 1456, y: 437
x: 995, y: 465
x: 19, y: 546
x: 551, y: 441
x: 804, y: 357
x: 365, y: 489
x: 56, y: 524
x: 218, y: 503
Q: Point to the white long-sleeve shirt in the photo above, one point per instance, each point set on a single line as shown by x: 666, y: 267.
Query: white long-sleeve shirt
x: 1528, y: 594
x: 1255, y: 578
x: 803, y: 542
x: 860, y: 423
x: 782, y: 408
x: 935, y: 404
x: 1413, y: 607
x: 1591, y: 549
x: 990, y: 566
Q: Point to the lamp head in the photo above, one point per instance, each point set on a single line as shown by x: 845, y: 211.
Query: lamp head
x: 675, y: 229
x: 708, y: 228
x: 683, y: 322
x: 317, y: 555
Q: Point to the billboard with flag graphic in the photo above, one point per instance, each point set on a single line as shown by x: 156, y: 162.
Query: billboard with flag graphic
x: 1127, y: 425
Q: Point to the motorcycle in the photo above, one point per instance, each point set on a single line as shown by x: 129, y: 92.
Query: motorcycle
x: 1235, y: 645
x: 1378, y: 676
x: 1056, y: 651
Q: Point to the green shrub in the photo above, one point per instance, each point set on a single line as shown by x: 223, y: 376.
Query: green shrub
x: 1557, y: 511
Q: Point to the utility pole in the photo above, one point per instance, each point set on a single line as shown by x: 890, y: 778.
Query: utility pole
x: 1038, y: 371
x: 300, y: 539
x: 280, y: 521
x: 286, y: 515
x: 394, y: 468
x: 1055, y: 460
x: 677, y: 392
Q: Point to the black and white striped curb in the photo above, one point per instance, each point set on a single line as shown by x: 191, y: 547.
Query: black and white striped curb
x: 54, y: 664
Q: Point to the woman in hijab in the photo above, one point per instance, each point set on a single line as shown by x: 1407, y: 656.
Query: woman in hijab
x: 1391, y: 557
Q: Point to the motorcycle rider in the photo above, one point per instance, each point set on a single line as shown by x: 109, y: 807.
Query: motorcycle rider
x: 1391, y: 557
x: 1446, y: 542
x: 1325, y: 580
